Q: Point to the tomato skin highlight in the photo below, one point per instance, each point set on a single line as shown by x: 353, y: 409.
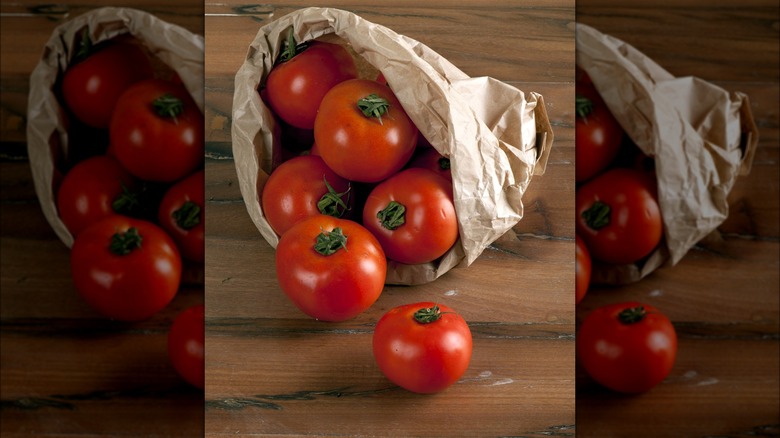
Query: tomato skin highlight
x: 627, y: 357
x: 129, y: 287
x: 88, y: 191
x: 598, y: 135
x: 92, y: 87
x: 359, y: 147
x: 333, y: 287
x: 430, y: 228
x: 422, y: 358
x: 186, y: 340
x: 583, y: 268
x: 634, y: 227
x: 154, y: 147
x: 294, y: 189
x: 295, y: 88
x: 189, y: 237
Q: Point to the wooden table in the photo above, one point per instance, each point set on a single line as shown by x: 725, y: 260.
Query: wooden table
x: 272, y: 370
x: 65, y: 370
x: 723, y: 296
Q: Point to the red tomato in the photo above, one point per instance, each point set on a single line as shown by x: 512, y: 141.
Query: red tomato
x: 422, y: 347
x: 301, y: 187
x: 430, y: 158
x: 618, y: 216
x: 93, y: 189
x: 413, y: 216
x: 186, y: 339
x: 304, y: 73
x: 126, y: 269
x: 157, y: 131
x: 362, y: 131
x: 627, y: 347
x: 582, y: 269
x: 91, y: 87
x: 332, y: 269
x: 182, y: 216
x: 598, y: 134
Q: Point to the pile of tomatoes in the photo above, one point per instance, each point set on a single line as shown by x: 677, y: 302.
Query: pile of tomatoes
x: 363, y: 190
x: 132, y: 194
x: 628, y: 347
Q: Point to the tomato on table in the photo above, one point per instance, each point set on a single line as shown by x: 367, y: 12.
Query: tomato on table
x: 301, y: 187
x: 93, y: 189
x: 598, y: 134
x: 362, y: 131
x: 413, y: 216
x: 157, y: 131
x: 582, y: 269
x: 186, y: 339
x: 618, y: 216
x: 422, y: 347
x: 627, y: 347
x: 331, y: 269
x: 92, y: 85
x: 182, y: 215
x: 301, y: 77
x: 126, y: 269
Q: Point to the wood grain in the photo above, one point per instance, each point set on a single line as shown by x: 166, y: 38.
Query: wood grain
x: 271, y: 370
x: 724, y: 296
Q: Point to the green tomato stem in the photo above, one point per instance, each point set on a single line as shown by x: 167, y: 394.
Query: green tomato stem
x: 332, y: 203
x: 597, y: 216
x: 168, y: 106
x: 329, y: 242
x: 392, y: 216
x: 427, y: 315
x: 584, y: 106
x: 374, y: 106
x: 124, y: 243
x: 632, y: 315
x: 187, y: 216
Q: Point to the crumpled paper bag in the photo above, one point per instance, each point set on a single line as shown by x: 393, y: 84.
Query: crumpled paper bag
x: 47, y: 135
x: 701, y: 136
x: 496, y: 136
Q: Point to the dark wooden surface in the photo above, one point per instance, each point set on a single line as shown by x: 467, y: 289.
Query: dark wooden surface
x: 271, y: 370
x: 65, y: 370
x: 723, y: 296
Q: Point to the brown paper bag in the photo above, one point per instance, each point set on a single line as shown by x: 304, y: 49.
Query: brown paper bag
x: 496, y: 136
x: 47, y: 135
x: 701, y: 136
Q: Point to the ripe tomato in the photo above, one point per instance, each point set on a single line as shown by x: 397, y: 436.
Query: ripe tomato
x: 91, y: 87
x: 94, y: 189
x: 332, y: 269
x: 126, y: 269
x: 362, y: 131
x: 422, y: 347
x: 430, y: 158
x: 304, y: 73
x: 598, y: 134
x: 627, y: 347
x: 157, y: 131
x: 301, y: 187
x: 182, y: 216
x: 618, y: 216
x: 582, y: 269
x: 413, y: 216
x: 186, y: 339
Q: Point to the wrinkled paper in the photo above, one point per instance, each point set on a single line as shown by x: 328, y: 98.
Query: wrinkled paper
x: 496, y: 136
x: 179, y: 49
x: 701, y: 136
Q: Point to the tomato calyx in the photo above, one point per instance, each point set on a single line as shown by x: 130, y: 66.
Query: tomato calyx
x: 328, y: 242
x: 125, y: 243
x: 597, y: 216
x: 427, y: 315
x: 85, y: 46
x: 126, y: 203
x: 332, y: 203
x: 168, y: 106
x: 187, y: 216
x: 632, y: 315
x: 584, y: 107
x: 392, y: 216
x: 291, y: 48
x: 444, y: 163
x: 373, y: 106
